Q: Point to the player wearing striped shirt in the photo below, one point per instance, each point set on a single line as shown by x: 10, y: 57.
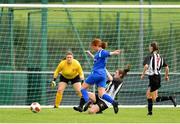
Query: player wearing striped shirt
x: 115, y: 83
x: 70, y: 71
x: 152, y: 67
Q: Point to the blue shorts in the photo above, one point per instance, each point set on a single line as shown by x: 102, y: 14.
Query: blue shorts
x: 99, y: 80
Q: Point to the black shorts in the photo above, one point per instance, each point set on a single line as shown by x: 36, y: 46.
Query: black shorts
x: 74, y: 80
x: 102, y: 105
x: 154, y: 82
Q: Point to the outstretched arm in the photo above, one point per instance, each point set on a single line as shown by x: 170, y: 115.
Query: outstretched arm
x: 89, y: 53
x: 116, y: 52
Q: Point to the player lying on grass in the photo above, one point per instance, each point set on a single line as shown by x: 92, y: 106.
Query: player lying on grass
x: 97, y: 104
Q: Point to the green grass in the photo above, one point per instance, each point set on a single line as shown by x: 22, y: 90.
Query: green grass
x: 68, y: 115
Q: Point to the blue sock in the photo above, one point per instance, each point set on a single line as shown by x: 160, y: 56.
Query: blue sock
x: 85, y: 94
x: 107, y: 98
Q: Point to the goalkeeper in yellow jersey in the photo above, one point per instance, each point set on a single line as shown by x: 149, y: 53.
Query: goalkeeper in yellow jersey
x: 70, y: 71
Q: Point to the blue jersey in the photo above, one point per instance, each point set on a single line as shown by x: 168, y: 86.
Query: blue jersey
x: 98, y: 74
x: 100, y: 60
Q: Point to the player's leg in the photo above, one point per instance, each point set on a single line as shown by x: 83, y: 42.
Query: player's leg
x: 59, y: 94
x: 84, y: 91
x: 89, y: 81
x: 157, y: 80
x: 77, y: 88
x: 92, y: 100
x: 166, y: 98
x: 103, y: 95
x: 150, y: 101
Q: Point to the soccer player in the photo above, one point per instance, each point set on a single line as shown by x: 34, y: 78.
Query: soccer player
x: 114, y: 85
x: 70, y: 71
x: 98, y: 74
x: 152, y: 65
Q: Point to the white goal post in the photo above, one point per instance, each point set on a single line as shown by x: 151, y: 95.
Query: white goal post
x: 91, y: 6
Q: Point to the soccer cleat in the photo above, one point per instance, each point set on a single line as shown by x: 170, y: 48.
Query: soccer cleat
x: 55, y: 106
x: 79, y: 109
x: 115, y: 106
x: 173, y: 100
x: 99, y: 112
x: 86, y: 106
x: 149, y: 113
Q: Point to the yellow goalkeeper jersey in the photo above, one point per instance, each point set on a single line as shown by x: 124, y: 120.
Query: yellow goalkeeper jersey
x: 69, y: 71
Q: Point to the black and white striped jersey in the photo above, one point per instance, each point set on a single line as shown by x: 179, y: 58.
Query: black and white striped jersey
x: 113, y: 88
x: 155, y: 62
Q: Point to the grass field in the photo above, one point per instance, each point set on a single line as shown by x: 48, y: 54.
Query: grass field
x: 68, y: 115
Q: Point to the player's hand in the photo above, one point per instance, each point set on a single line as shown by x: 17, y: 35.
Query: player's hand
x: 52, y: 84
x: 117, y: 52
x: 167, y: 78
x: 142, y: 76
x: 87, y: 51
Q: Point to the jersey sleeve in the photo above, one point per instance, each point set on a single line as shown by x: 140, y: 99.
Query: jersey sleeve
x: 104, y: 54
x: 164, y: 64
x: 58, y: 69
x: 80, y: 71
x: 147, y: 60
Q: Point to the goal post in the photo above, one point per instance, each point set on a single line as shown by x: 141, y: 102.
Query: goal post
x: 35, y: 37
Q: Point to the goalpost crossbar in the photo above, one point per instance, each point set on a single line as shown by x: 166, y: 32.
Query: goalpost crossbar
x: 89, y: 6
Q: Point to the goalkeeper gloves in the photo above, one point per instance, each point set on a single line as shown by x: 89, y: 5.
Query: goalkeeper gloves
x: 53, y: 83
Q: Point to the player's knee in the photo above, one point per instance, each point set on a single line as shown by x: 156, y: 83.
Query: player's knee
x: 60, y: 91
x: 78, y: 93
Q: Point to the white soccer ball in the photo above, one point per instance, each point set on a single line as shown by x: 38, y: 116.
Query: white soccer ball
x: 35, y: 107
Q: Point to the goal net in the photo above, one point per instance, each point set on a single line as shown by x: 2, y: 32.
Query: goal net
x: 35, y: 37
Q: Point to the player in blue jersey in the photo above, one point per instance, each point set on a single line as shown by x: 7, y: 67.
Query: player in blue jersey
x: 115, y: 83
x: 98, y: 73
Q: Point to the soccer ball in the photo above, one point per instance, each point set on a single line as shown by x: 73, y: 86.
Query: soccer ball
x: 35, y: 107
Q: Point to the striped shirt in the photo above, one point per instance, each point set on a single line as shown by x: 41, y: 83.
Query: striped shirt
x: 113, y: 88
x: 155, y: 62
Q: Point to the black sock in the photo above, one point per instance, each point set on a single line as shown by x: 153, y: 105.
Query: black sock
x: 150, y: 105
x: 82, y: 102
x: 162, y: 98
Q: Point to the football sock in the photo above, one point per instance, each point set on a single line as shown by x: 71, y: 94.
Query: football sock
x: 107, y: 98
x: 85, y: 94
x: 150, y: 105
x: 82, y: 102
x: 79, y: 94
x: 162, y: 98
x: 58, y: 99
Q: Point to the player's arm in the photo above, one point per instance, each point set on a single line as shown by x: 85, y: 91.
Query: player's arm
x: 92, y: 96
x: 144, y: 71
x: 116, y: 52
x: 56, y: 73
x: 146, y: 65
x: 110, y: 78
x: 167, y: 73
x: 90, y: 54
x: 57, y: 70
x: 80, y: 71
x: 166, y: 70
